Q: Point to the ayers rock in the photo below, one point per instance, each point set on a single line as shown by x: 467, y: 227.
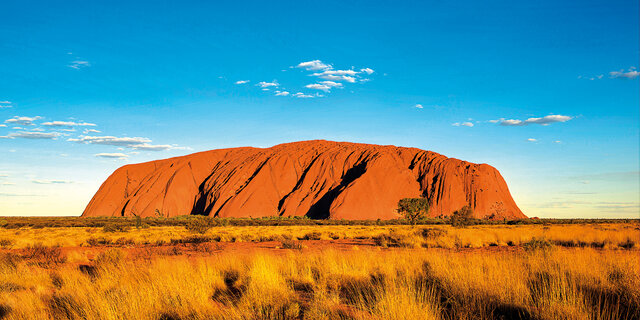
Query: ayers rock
x: 319, y: 179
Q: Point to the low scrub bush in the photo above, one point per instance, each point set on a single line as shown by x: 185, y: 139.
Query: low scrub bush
x: 113, y: 227
x: 96, y: 242
x: 537, y: 244
x: 433, y: 233
x: 199, y: 225
x: 6, y: 243
x: 292, y: 244
x: 393, y: 239
x: 311, y: 236
x: 44, y: 256
x: 627, y: 244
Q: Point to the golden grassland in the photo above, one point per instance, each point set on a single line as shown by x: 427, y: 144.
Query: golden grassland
x: 610, y: 235
x: 510, y: 272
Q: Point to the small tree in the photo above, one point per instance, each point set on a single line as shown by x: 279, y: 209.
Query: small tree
x: 413, y: 209
x: 462, y: 217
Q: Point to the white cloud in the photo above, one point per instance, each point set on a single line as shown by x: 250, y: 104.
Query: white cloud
x: 25, y: 121
x: 335, y: 77
x: 324, y: 85
x: 68, y: 124
x: 532, y: 140
x: 318, y: 86
x: 3, y: 125
x: 78, y: 64
x: 34, y: 135
x: 331, y: 84
x: 545, y: 121
x: 242, y: 81
x: 39, y: 181
x: 557, y: 141
x: 302, y: 95
x: 112, y: 141
x: 151, y: 147
x: 367, y: 70
x: 268, y: 84
x: 137, y: 143
x: 632, y: 73
x: 282, y: 93
x: 463, y: 124
x: 419, y: 106
x: 112, y: 155
x: 85, y: 131
x: 313, y: 65
x: 5, y: 104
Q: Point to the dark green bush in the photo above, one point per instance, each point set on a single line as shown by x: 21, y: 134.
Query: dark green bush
x: 413, y: 209
x: 462, y: 218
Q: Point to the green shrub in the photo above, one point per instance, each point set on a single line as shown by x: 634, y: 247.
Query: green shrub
x: 112, y: 227
x: 199, y: 225
x: 433, y: 233
x: 413, y: 209
x: 462, y: 218
x: 537, y: 244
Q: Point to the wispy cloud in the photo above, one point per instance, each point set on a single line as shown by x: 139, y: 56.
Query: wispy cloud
x: 137, y: 143
x: 25, y: 121
x: 39, y: 181
x: 5, y: 104
x: 242, y: 81
x: 327, y: 72
x: 282, y: 93
x: 532, y: 140
x: 325, y: 86
x: 314, y: 65
x: 34, y: 135
x: 632, y: 73
x: 304, y: 95
x: 462, y: 124
x: 419, y: 106
x: 600, y: 76
x: 85, y: 131
x: 68, y: 124
x: 337, y: 75
x: 121, y: 156
x: 367, y: 70
x: 545, y: 121
x: 79, y: 64
x: 264, y: 84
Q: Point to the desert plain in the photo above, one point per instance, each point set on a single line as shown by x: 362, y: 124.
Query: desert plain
x: 297, y: 268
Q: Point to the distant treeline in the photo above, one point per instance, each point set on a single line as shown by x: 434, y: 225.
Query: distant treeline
x: 99, y: 222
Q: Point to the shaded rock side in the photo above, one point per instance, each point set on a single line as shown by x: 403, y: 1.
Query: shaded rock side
x: 319, y: 179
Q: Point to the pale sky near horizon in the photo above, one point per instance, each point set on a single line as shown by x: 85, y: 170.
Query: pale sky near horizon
x: 547, y: 91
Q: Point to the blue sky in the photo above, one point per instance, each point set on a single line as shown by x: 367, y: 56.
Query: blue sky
x: 546, y: 92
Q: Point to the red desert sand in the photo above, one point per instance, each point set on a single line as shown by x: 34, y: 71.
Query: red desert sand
x: 319, y: 179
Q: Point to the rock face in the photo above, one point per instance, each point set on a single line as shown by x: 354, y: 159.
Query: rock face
x: 319, y: 179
